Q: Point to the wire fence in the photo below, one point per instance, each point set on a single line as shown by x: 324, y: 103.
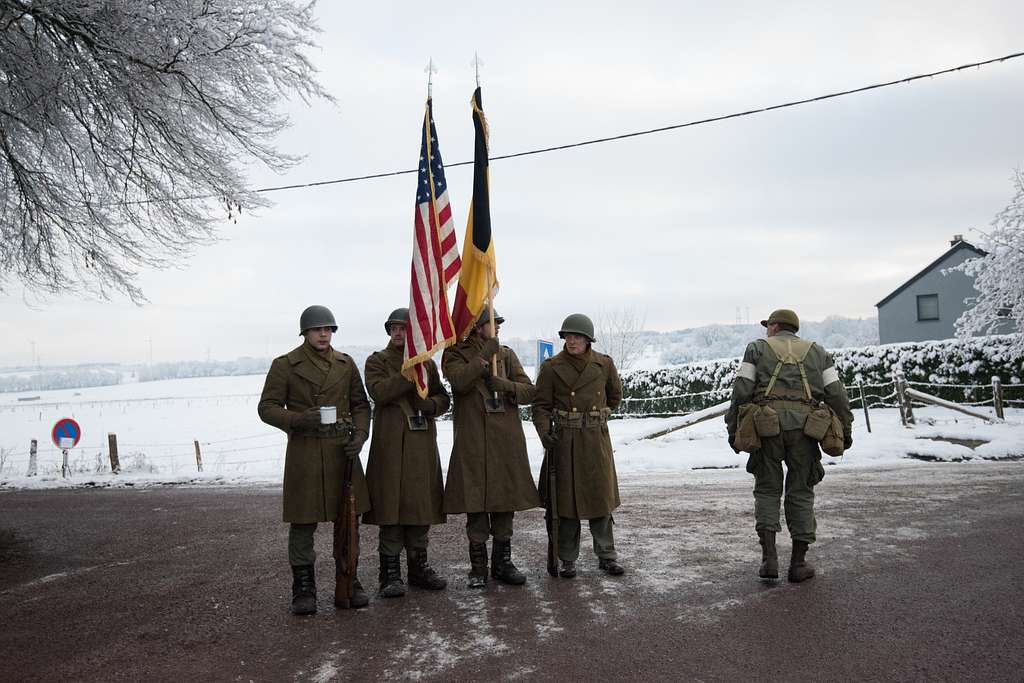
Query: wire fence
x: 874, y: 394
x: 218, y: 455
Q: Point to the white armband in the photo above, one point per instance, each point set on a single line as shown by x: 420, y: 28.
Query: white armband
x: 830, y: 375
x: 747, y: 371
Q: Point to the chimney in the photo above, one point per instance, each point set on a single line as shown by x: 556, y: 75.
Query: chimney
x: 957, y: 239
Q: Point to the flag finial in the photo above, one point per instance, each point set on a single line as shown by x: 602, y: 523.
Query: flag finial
x: 430, y: 70
x: 477, y: 63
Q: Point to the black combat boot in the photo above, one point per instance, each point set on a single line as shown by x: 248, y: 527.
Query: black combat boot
x: 501, y: 564
x: 390, y: 577
x: 609, y: 566
x: 303, y: 590
x: 769, y: 556
x: 799, y: 569
x: 568, y: 570
x: 421, y: 574
x: 478, y: 565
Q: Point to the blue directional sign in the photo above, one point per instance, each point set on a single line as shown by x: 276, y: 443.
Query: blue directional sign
x: 66, y: 428
x: 545, y: 350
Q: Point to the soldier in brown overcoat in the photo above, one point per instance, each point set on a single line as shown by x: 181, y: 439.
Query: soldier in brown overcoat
x: 580, y: 387
x: 403, y: 471
x: 298, y: 384
x: 489, y: 473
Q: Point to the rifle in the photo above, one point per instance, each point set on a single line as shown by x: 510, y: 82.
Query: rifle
x: 346, y: 530
x: 551, y: 516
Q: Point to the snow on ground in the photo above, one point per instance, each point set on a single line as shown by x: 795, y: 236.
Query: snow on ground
x: 156, y: 423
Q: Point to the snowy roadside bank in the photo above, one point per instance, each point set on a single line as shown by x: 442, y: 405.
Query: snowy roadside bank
x: 156, y: 426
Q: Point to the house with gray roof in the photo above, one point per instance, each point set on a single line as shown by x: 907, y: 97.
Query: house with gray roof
x: 927, y: 305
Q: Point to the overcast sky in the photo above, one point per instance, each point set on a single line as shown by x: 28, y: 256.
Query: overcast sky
x: 825, y: 208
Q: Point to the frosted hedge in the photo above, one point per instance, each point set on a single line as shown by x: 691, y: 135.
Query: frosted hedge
x: 957, y: 370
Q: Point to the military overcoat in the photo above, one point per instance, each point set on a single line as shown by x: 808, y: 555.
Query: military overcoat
x: 489, y: 470
x: 403, y: 472
x: 313, y: 466
x: 588, y: 486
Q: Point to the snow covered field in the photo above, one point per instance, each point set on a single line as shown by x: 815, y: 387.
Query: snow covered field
x: 156, y: 423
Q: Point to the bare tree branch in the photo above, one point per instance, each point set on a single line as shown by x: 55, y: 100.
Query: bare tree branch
x: 120, y: 118
x: 620, y: 335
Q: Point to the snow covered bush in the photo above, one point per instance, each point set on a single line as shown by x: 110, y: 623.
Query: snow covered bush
x: 957, y: 370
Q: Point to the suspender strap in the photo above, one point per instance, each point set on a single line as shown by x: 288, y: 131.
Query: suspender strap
x: 786, y: 354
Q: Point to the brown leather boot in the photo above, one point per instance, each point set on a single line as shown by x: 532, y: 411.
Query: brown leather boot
x: 799, y: 569
x: 769, y: 556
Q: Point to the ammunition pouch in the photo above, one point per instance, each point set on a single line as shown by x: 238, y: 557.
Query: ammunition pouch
x: 592, y: 419
x: 338, y: 430
x: 825, y: 427
x: 834, y: 442
x: 766, y: 421
x: 818, y: 422
x: 747, y: 438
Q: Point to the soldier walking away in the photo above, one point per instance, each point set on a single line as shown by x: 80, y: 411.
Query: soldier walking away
x: 403, y: 472
x: 781, y: 381
x: 489, y: 473
x: 299, y: 383
x: 582, y: 388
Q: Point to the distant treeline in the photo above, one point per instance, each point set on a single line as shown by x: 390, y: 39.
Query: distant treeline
x: 71, y: 378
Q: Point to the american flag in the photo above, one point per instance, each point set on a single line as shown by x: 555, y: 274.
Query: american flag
x: 435, y: 261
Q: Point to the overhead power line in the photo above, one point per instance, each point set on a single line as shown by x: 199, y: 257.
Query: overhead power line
x: 649, y: 131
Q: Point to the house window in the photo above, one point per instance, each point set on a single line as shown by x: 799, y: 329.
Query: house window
x: 928, y: 307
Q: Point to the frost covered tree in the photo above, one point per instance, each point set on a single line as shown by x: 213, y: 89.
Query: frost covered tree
x: 620, y: 334
x: 125, y: 126
x: 999, y: 275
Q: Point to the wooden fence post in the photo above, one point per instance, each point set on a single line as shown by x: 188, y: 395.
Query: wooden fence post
x: 997, y: 396
x: 199, y: 456
x: 864, y: 402
x: 115, y: 462
x: 32, y: 463
x: 906, y: 409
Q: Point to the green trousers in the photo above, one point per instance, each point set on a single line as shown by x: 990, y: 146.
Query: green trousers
x: 481, y: 525
x: 803, y: 472
x: 600, y: 531
x: 394, y: 537
x: 300, y: 544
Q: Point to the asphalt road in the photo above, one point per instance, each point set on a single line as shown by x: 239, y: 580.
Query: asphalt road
x: 917, y: 580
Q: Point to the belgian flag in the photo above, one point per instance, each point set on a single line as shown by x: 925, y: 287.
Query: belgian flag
x: 478, y: 280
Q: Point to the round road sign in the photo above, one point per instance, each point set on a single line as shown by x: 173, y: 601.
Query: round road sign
x: 65, y: 429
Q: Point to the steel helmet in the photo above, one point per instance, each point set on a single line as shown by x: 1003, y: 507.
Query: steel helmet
x: 485, y: 317
x: 577, y: 323
x: 783, y: 315
x: 399, y: 315
x: 317, y: 316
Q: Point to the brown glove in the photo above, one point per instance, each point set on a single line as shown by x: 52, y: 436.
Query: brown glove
x: 306, y: 421
x: 353, y: 447
x: 489, y: 348
x: 499, y: 384
x: 550, y: 440
x: 424, y: 405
